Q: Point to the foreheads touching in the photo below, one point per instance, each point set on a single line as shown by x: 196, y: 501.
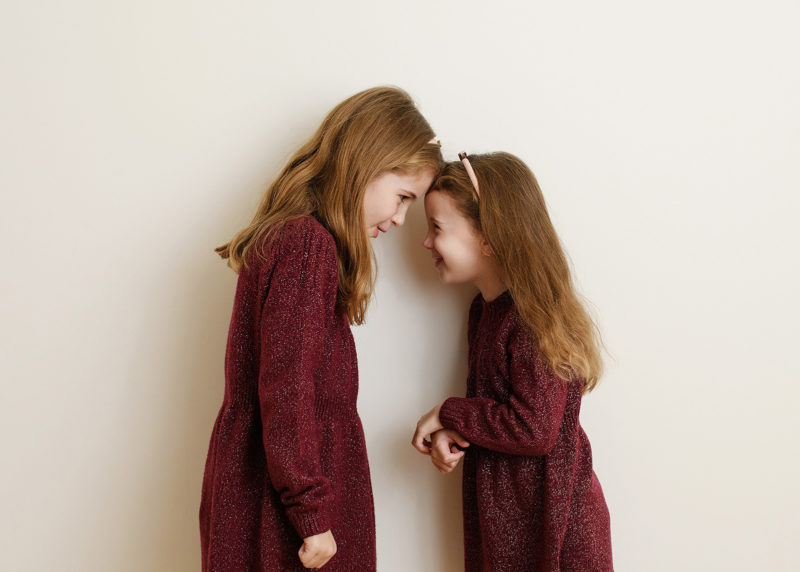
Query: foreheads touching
x: 388, y: 196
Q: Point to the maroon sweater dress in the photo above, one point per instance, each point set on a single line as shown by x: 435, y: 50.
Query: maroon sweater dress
x: 287, y: 457
x: 531, y: 499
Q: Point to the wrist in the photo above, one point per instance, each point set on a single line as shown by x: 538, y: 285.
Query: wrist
x: 436, y: 411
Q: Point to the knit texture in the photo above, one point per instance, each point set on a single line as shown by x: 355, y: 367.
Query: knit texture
x: 531, y: 499
x: 287, y: 457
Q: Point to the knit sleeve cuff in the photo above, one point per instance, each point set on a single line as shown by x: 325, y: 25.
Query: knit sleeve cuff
x: 452, y: 412
x: 309, y: 523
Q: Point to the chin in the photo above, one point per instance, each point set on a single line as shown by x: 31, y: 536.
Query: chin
x: 446, y: 278
x: 449, y: 278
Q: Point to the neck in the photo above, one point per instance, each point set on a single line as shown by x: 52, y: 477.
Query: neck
x: 491, y: 285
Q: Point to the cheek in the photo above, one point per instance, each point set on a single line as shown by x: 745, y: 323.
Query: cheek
x: 459, y: 256
x: 369, y: 206
x: 387, y: 208
x: 378, y: 209
x: 450, y: 249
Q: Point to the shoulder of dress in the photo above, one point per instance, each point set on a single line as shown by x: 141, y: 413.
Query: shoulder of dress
x: 307, y: 233
x: 515, y: 327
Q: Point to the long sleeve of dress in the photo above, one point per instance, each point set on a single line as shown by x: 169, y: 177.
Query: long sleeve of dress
x: 300, y: 298
x: 528, y: 422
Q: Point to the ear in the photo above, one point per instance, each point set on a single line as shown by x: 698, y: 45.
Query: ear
x: 486, y: 248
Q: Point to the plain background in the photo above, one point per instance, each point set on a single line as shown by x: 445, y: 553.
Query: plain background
x: 138, y: 136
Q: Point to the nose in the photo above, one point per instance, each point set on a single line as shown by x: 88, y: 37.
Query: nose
x: 400, y: 216
x: 428, y: 242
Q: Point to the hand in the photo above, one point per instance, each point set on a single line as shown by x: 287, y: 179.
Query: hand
x: 445, y: 453
x: 427, y: 424
x: 317, y: 550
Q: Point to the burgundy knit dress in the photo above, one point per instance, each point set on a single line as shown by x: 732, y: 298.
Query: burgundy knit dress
x: 531, y: 499
x: 287, y: 457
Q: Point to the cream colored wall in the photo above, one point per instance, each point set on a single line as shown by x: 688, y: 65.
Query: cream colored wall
x: 137, y: 136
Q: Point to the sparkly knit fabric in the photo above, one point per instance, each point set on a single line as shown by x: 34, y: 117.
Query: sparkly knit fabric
x: 531, y: 499
x: 287, y: 457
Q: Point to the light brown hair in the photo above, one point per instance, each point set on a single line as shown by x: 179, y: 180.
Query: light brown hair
x: 373, y: 131
x: 512, y: 216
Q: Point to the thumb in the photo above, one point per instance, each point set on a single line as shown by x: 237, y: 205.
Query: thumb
x: 461, y: 441
x: 455, y: 450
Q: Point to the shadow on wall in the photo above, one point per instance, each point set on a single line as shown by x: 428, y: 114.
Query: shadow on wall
x: 183, y: 385
x: 196, y: 381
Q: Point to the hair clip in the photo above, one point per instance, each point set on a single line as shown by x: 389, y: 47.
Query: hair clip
x: 435, y: 141
x: 470, y: 172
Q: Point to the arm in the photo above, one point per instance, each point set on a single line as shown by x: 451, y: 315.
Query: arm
x: 302, y: 293
x: 529, y: 421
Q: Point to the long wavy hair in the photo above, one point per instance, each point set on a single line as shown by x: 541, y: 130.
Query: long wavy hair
x: 512, y: 216
x: 373, y: 131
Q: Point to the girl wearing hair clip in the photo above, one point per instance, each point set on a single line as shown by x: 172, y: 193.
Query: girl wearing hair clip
x: 287, y: 483
x: 531, y: 498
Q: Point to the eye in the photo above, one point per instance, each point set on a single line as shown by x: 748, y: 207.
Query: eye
x: 404, y: 198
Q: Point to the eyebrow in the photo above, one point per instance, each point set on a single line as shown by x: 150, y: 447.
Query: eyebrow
x: 435, y: 221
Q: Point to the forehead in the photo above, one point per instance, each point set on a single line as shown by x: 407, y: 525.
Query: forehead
x: 417, y: 181
x: 440, y: 205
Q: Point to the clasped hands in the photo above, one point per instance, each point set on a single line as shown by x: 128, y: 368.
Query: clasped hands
x: 446, y: 445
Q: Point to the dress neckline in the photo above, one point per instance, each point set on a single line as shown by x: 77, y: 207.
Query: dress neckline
x: 498, y: 302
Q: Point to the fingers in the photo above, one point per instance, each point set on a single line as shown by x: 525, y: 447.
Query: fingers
x: 458, y: 438
x: 454, y: 437
x: 427, y: 424
x: 314, y: 558
x: 443, y: 467
x: 317, y: 550
x: 445, y: 463
x: 308, y: 556
x: 419, y: 442
x: 448, y: 458
x: 444, y: 450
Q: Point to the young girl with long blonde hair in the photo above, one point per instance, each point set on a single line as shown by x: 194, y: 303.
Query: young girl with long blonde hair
x: 286, y: 482
x: 531, y: 498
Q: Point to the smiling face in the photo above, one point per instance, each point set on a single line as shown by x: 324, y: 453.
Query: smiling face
x: 459, y: 250
x: 387, y: 197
